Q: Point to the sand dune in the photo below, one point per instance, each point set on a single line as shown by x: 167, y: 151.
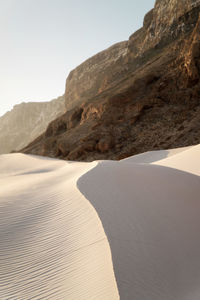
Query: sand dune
x: 188, y: 160
x: 153, y: 156
x: 66, y: 225
x: 53, y: 245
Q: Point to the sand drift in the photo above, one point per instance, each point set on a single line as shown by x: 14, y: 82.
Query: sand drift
x: 101, y: 230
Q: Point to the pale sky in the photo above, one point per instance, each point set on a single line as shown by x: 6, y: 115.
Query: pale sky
x: 42, y: 40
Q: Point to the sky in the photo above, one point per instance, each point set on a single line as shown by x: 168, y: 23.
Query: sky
x: 43, y: 40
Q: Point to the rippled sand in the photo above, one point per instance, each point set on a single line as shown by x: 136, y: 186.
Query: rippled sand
x: 53, y: 245
x: 98, y: 230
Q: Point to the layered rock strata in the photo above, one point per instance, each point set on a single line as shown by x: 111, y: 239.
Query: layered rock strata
x: 136, y: 96
x: 26, y: 121
x: 95, y: 75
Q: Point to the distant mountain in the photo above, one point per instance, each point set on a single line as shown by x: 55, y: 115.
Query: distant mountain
x: 139, y: 95
x: 26, y: 121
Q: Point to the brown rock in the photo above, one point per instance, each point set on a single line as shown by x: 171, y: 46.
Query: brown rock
x: 62, y: 148
x: 136, y: 96
x: 95, y: 75
x: 105, y: 144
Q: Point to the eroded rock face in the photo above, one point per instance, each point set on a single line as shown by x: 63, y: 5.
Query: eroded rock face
x: 166, y: 22
x: 192, y: 57
x: 26, y: 121
x: 162, y: 25
x: 95, y: 75
x: 146, y: 97
x: 172, y: 17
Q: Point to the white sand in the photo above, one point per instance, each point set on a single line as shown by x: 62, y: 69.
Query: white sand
x: 153, y: 156
x: 188, y: 160
x: 53, y: 245
x: 151, y: 217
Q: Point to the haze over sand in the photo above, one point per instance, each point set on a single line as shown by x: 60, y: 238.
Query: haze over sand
x: 57, y: 218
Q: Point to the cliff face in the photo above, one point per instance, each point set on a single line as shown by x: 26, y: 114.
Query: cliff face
x: 167, y: 21
x: 136, y: 96
x: 26, y: 121
x: 95, y: 75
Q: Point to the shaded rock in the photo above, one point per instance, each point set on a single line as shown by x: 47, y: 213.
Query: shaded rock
x: 136, y: 96
x: 26, y: 121
x: 105, y: 144
x: 62, y: 148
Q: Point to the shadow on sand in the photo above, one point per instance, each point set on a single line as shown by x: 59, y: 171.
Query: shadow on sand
x: 150, y: 215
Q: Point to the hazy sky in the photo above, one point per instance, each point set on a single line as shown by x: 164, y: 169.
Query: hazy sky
x: 42, y: 40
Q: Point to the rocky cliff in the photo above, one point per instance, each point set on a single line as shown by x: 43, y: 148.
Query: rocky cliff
x: 95, y: 75
x: 165, y: 23
x: 136, y: 96
x: 26, y: 121
x: 169, y: 20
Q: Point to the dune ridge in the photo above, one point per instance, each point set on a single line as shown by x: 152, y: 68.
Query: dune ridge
x: 150, y: 214
x: 53, y: 245
x: 186, y: 160
x: 124, y: 229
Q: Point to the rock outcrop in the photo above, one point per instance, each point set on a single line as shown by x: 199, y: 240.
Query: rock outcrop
x: 95, y: 75
x: 165, y: 23
x: 169, y: 20
x: 26, y: 121
x: 139, y: 95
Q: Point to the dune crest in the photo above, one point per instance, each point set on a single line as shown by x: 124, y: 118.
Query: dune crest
x: 100, y: 230
x: 53, y: 245
x: 150, y: 214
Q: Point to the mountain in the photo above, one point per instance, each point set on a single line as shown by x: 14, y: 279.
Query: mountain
x: 138, y: 95
x: 26, y: 121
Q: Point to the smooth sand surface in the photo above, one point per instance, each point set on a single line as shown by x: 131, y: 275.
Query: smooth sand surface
x: 57, y: 218
x: 188, y: 160
x: 150, y: 215
x: 185, y: 159
x: 153, y: 156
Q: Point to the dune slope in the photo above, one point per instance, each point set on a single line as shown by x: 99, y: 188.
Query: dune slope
x: 187, y: 160
x: 100, y: 230
x: 151, y: 218
x: 53, y: 245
